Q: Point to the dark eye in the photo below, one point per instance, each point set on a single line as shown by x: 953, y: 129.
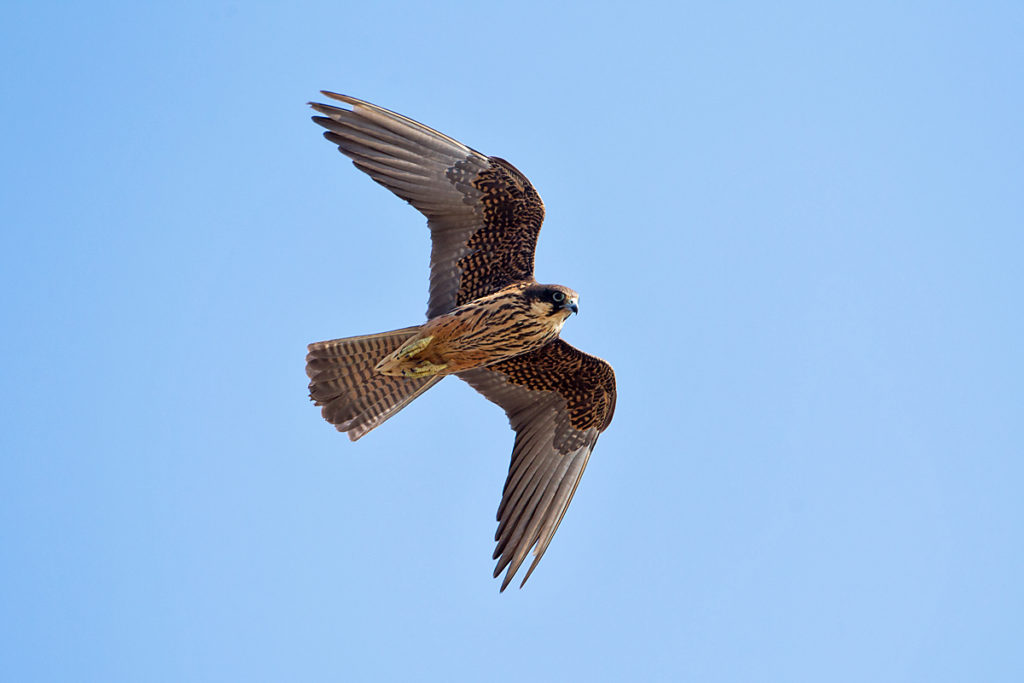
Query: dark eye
x: 558, y: 296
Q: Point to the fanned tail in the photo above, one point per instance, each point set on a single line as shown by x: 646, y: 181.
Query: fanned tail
x: 355, y: 397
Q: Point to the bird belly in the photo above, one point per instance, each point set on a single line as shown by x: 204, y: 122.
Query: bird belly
x: 470, y: 337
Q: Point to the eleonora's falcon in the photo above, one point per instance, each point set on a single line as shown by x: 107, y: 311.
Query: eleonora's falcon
x: 489, y: 322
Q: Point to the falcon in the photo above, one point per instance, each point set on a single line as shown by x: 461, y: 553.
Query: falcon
x: 489, y: 322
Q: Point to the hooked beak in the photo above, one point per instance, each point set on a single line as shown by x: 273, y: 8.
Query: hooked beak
x: 571, y: 305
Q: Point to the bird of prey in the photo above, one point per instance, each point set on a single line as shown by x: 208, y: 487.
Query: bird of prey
x: 489, y: 322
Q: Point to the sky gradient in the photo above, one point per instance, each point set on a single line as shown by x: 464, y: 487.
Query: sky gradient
x: 797, y: 235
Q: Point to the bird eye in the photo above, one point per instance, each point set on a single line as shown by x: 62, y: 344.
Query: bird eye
x: 558, y: 296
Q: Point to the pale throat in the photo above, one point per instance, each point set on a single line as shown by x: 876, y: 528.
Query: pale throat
x: 542, y: 311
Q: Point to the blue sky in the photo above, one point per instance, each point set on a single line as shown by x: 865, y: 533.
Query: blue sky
x: 797, y: 233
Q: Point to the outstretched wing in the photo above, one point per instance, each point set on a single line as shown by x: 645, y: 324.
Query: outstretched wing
x: 484, y: 215
x: 558, y: 400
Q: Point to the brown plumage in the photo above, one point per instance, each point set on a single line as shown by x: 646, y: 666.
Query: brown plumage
x: 489, y: 322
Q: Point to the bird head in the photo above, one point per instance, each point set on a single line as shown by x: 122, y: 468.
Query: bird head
x: 551, y: 300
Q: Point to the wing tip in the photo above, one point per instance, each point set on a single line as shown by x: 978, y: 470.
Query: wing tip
x: 337, y: 96
x: 328, y: 108
x: 510, y: 574
x: 533, y: 565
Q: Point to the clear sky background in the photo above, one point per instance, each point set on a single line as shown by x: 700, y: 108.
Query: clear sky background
x: 797, y: 231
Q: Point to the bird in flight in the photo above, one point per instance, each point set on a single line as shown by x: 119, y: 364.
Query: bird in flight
x: 489, y: 322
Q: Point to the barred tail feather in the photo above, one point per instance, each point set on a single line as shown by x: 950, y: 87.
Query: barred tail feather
x: 354, y: 397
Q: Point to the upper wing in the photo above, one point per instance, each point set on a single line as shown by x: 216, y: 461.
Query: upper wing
x: 558, y: 400
x: 484, y: 215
